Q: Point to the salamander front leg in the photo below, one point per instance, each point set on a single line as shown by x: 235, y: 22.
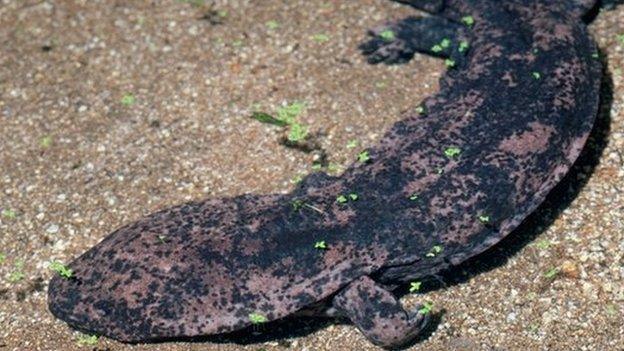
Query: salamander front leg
x: 378, y: 314
x: 398, y: 42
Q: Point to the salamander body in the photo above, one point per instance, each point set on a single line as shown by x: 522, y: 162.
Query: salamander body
x: 444, y: 184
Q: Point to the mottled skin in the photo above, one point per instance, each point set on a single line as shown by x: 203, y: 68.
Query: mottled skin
x: 484, y: 154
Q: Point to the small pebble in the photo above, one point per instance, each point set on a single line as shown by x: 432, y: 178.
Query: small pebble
x: 570, y: 270
x: 52, y: 229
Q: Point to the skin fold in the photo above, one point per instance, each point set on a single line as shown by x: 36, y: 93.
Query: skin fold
x: 450, y: 180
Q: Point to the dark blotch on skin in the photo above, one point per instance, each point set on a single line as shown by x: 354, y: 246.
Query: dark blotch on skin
x: 203, y: 267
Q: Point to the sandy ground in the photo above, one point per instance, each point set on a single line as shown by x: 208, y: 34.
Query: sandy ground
x: 110, y: 110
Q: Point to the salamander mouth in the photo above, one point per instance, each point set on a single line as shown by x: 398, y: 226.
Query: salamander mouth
x: 63, y: 296
x: 66, y: 302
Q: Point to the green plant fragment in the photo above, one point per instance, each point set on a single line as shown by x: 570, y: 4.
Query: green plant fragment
x: 426, y: 308
x: 87, y: 340
x: 320, y: 38
x: 257, y: 318
x: 415, y: 287
x: 363, y: 157
x: 341, y: 199
x: 452, y: 152
x: 321, y: 245
x: 297, y: 132
x: 9, y: 213
x: 387, y: 35
x: 128, y: 99
x: 463, y: 46
x: 268, y: 119
x: 272, y: 24
x: 61, y: 269
x: 468, y: 20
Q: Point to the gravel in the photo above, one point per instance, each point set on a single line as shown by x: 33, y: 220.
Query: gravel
x: 112, y: 110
